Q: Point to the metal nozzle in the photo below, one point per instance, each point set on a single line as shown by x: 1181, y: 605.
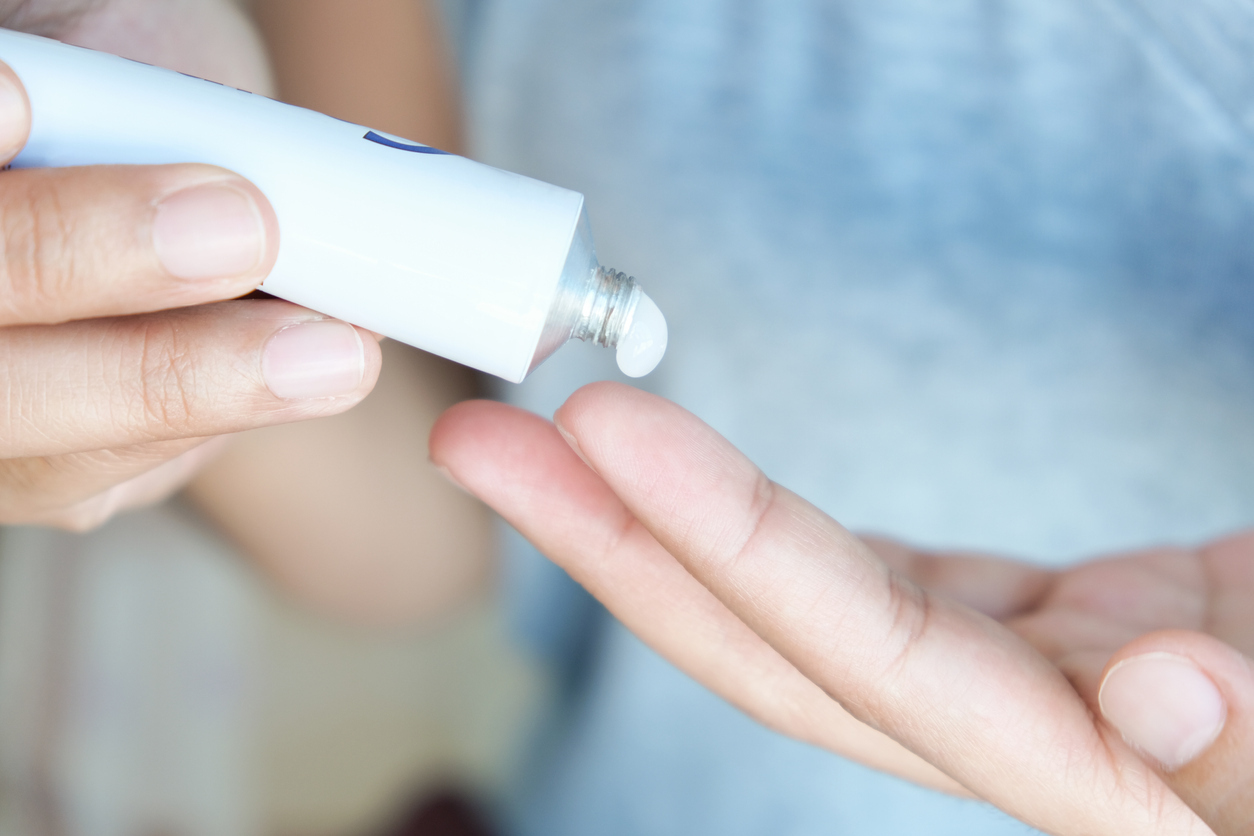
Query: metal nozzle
x: 591, y: 303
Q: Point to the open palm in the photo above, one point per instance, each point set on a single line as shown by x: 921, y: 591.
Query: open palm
x: 966, y: 673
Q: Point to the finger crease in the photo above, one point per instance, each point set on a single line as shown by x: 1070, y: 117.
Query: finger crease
x: 765, y: 498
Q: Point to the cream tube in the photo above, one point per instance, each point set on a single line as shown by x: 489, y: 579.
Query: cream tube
x: 487, y: 268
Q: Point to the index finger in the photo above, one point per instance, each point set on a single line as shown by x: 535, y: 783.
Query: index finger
x: 950, y: 684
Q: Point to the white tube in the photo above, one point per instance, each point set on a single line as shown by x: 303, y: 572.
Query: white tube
x: 487, y: 268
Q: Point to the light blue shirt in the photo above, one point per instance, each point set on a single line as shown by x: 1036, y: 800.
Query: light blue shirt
x: 974, y: 274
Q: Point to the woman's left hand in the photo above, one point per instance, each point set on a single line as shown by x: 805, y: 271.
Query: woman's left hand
x: 69, y: 482
x: 1113, y: 698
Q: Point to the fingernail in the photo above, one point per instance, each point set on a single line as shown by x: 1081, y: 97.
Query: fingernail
x: 320, y: 359
x: 1164, y: 706
x: 448, y: 474
x: 574, y: 444
x: 208, y: 232
x: 14, y: 118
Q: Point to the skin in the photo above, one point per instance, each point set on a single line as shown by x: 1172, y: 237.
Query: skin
x: 114, y: 382
x: 966, y: 673
x: 963, y: 672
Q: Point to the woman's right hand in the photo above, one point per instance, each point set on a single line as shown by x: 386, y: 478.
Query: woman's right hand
x: 120, y: 356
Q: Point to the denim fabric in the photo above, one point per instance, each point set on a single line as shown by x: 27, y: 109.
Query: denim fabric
x: 977, y: 273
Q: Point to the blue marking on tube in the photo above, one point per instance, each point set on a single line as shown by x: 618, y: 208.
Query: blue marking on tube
x: 404, y: 146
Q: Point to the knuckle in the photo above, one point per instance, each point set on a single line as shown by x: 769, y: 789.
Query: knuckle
x: 763, y: 501
x: 38, y: 259
x: 160, y: 375
x: 909, y: 612
x: 880, y: 657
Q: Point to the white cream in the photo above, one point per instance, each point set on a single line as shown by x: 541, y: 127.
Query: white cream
x: 642, y: 347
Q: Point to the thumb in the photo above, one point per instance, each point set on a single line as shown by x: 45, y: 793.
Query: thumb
x: 14, y: 114
x: 1186, y: 701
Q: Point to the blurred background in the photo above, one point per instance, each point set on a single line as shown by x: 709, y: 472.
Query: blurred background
x: 975, y: 274
x: 152, y: 683
x: 152, y: 691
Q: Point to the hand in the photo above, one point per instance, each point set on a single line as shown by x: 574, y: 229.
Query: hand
x: 112, y: 379
x: 772, y: 604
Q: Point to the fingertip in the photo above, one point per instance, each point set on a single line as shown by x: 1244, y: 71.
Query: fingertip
x: 584, y: 399
x: 1219, y: 660
x: 602, y: 405
x: 573, y: 443
x: 210, y: 226
x: 611, y: 425
x: 474, y: 423
x: 270, y: 223
x: 448, y: 429
x: 372, y: 360
x: 1192, y: 717
x: 448, y: 476
x: 581, y: 409
x: 502, y: 454
x: 15, y: 114
x: 1164, y: 705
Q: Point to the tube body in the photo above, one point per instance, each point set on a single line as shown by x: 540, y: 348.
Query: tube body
x: 428, y: 248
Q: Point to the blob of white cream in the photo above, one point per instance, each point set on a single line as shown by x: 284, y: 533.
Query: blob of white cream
x: 642, y: 347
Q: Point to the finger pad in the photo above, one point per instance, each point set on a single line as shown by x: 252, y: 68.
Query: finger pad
x: 656, y: 455
x: 518, y: 463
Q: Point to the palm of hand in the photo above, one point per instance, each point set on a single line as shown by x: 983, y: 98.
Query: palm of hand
x: 1088, y: 612
x: 1078, y: 617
